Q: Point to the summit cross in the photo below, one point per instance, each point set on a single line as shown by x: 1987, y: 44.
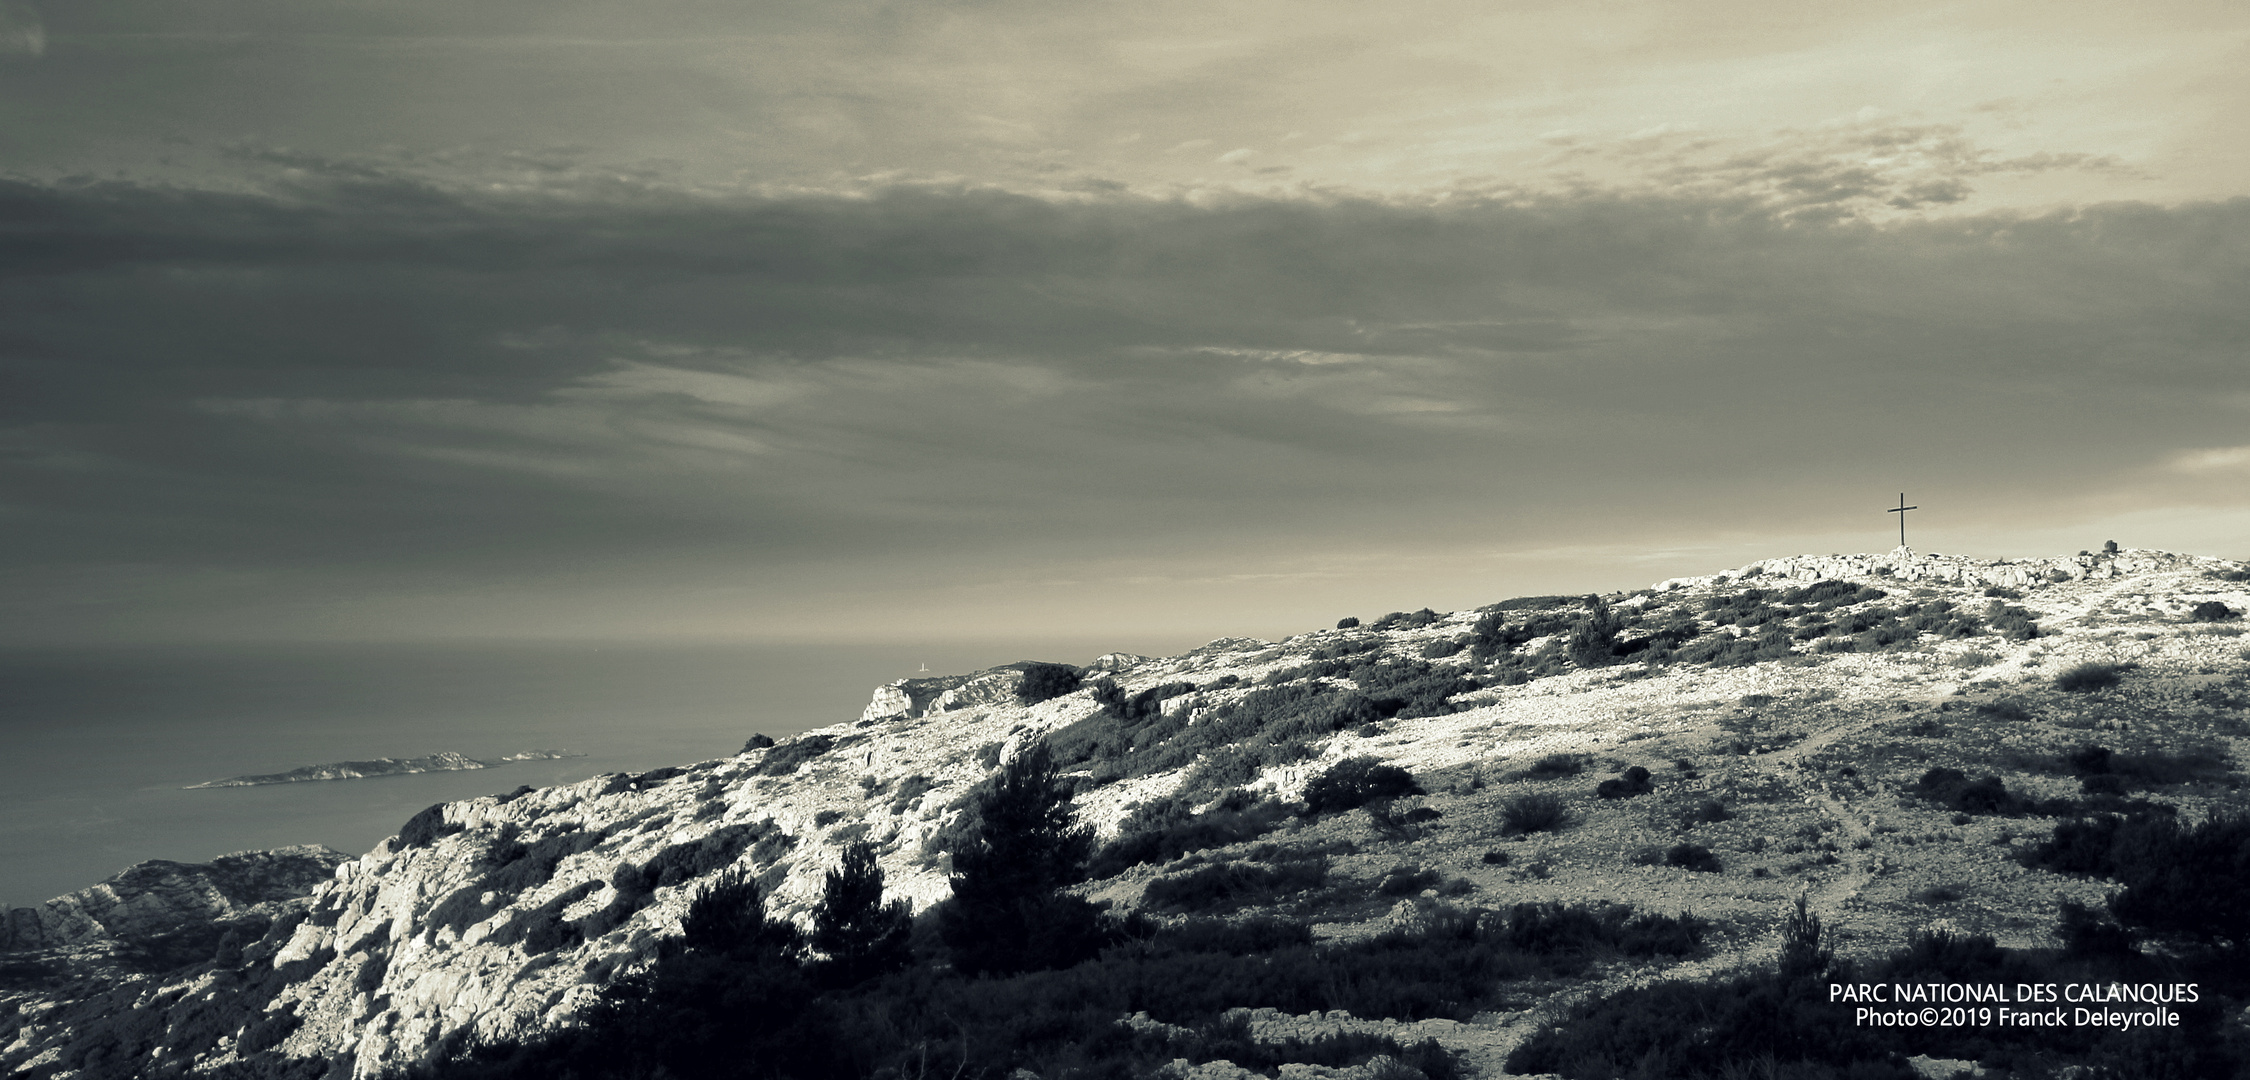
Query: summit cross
x: 1901, y: 510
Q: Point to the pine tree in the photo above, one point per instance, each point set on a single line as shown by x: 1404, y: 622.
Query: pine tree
x: 862, y: 936
x: 728, y: 918
x: 1008, y: 912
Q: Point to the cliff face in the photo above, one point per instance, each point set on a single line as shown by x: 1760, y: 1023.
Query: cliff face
x: 502, y: 914
x: 158, y: 897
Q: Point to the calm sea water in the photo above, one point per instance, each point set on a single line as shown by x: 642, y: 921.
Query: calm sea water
x: 97, y: 744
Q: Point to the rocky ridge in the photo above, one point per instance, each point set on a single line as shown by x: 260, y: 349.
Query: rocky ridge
x: 504, y: 914
x: 149, y: 901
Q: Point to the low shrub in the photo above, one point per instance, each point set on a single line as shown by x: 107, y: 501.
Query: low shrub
x: 1230, y: 886
x: 2010, y: 622
x: 1533, y: 812
x: 1443, y: 647
x: 785, y: 758
x: 1952, y: 789
x: 1692, y: 857
x: 1706, y: 812
x: 2212, y: 611
x: 2100, y: 844
x: 1356, y: 781
x: 1043, y: 682
x: 2089, y: 676
x: 1559, y: 929
x: 1554, y: 766
x: 911, y: 790
x: 1165, y: 829
x: 1408, y: 880
x: 1234, y: 937
x: 2004, y: 709
x: 1633, y: 781
x: 1347, y: 622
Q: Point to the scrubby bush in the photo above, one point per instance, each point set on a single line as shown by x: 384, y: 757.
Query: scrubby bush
x: 1235, y: 937
x: 2101, y: 844
x: 1560, y: 929
x: 1408, y: 688
x: 1952, y: 789
x: 2090, y: 676
x: 1591, y: 638
x: 2010, y: 622
x: 757, y: 741
x: 785, y: 758
x: 1443, y: 647
x: 1554, y: 766
x: 1347, y: 622
x: 1408, y: 880
x: 1228, y: 886
x: 1631, y: 782
x: 1356, y: 781
x: 1164, y: 829
x: 911, y: 790
x: 1533, y: 812
x: 1042, y: 682
x: 1692, y: 857
x: 1706, y: 812
x: 2213, y: 611
x: 2186, y: 883
x: 2004, y: 709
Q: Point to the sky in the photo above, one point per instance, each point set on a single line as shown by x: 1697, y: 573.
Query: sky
x: 686, y: 320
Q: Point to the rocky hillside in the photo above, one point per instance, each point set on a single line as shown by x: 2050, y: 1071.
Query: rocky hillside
x: 1718, y: 745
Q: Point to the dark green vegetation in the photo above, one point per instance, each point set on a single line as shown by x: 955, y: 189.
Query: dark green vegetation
x: 2090, y: 676
x: 2181, y: 884
x: 1044, y: 681
x: 1533, y: 812
x: 1008, y: 912
x: 1780, y: 1021
x: 1021, y: 975
x: 1354, y: 782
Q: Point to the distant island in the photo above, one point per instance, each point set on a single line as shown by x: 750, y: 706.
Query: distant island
x: 359, y: 770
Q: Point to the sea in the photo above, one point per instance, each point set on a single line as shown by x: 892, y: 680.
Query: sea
x: 98, y: 745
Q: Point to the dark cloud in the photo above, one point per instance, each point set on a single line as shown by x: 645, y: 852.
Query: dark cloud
x: 353, y: 380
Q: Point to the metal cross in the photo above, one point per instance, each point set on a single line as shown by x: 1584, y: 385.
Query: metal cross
x: 1901, y: 510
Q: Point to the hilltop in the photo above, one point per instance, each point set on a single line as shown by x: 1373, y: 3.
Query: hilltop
x: 1816, y: 726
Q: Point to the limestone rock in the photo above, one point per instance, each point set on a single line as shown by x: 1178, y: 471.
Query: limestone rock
x: 158, y: 897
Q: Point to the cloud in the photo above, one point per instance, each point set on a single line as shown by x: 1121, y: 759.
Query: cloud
x: 2220, y: 459
x: 1867, y: 166
x: 355, y: 374
x: 22, y: 32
